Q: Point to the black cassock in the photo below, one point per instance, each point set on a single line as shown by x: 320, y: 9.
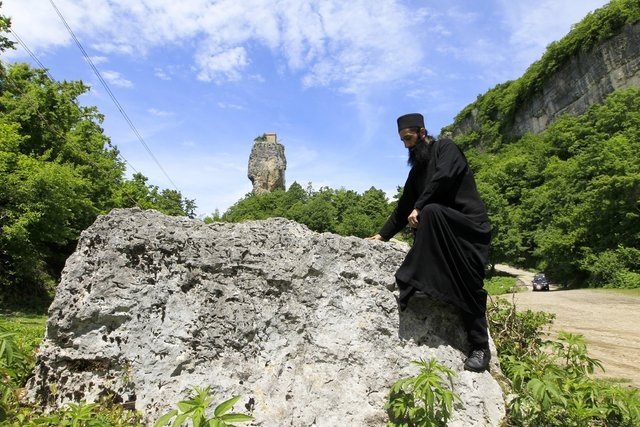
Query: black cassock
x: 451, y: 245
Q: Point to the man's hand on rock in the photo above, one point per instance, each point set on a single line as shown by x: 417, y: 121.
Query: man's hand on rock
x: 376, y: 237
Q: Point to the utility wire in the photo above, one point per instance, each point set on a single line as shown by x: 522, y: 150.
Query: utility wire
x: 54, y: 129
x: 111, y: 95
x: 43, y: 67
x: 31, y: 54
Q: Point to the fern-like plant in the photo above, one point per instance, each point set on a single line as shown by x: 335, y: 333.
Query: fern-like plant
x: 425, y: 400
x: 194, y: 409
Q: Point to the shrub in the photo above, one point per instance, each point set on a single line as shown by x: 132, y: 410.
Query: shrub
x: 194, y: 409
x: 552, y: 378
x: 424, y: 400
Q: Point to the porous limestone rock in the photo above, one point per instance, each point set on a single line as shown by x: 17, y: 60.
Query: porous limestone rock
x: 267, y: 165
x: 304, y: 326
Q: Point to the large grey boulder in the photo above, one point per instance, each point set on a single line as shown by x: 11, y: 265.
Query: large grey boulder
x: 303, y: 325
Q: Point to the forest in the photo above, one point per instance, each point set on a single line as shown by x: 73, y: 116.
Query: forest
x: 565, y: 201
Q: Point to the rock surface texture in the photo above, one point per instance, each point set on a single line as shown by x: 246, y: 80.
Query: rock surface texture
x: 585, y: 79
x: 304, y: 326
x: 266, y: 166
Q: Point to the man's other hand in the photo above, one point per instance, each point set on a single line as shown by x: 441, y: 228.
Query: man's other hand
x: 414, y: 218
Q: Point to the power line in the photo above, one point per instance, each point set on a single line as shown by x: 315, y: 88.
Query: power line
x: 54, y: 129
x: 43, y: 67
x: 111, y: 95
x: 31, y: 54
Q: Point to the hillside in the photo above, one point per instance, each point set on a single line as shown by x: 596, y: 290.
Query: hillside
x: 599, y: 55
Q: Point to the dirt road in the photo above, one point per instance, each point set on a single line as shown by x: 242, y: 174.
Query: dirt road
x: 608, y: 321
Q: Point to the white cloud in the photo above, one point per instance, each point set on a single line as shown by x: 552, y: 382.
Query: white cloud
x: 114, y: 48
x: 225, y: 65
x: 161, y: 74
x: 160, y: 113
x: 116, y: 79
x: 99, y: 59
x: 351, y: 44
x: 229, y: 106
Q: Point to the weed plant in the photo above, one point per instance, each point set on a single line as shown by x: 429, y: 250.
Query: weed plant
x: 425, y: 400
x: 551, y: 379
x: 195, y: 409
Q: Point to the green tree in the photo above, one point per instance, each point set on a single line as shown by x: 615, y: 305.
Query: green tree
x: 5, y: 26
x: 58, y: 171
x: 566, y: 200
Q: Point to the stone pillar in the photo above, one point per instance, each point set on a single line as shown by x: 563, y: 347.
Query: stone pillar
x: 267, y: 164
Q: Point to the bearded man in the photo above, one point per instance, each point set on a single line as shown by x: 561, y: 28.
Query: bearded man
x: 441, y: 203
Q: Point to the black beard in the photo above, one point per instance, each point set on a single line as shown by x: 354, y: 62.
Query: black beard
x: 419, y: 154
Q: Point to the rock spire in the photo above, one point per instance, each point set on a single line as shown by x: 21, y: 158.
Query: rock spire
x: 267, y: 164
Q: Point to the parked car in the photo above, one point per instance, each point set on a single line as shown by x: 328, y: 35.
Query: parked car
x: 540, y: 282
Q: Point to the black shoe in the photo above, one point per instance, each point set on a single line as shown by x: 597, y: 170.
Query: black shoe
x: 402, y: 304
x: 420, y: 294
x: 478, y: 360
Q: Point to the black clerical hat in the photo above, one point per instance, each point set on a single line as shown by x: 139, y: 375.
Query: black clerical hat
x: 410, y: 121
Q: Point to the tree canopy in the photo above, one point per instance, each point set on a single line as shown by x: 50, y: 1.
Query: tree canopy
x: 568, y: 200
x: 58, y: 171
x: 339, y: 211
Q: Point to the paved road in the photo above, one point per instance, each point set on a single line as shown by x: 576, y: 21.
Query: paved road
x: 609, y: 322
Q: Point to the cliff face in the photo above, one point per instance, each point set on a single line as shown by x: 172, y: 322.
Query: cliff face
x: 304, y: 326
x: 585, y: 79
x: 267, y: 165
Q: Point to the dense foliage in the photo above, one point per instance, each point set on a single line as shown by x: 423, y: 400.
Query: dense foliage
x: 567, y: 201
x: 58, y: 171
x: 340, y: 211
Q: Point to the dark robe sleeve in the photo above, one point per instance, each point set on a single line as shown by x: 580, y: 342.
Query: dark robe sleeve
x: 398, y: 219
x: 450, y: 166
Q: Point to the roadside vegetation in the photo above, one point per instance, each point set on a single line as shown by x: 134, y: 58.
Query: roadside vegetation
x: 498, y: 285
x: 551, y: 379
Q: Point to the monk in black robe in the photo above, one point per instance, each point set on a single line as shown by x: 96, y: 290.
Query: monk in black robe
x: 441, y: 203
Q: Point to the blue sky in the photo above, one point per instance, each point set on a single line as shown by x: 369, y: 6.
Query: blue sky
x: 200, y: 79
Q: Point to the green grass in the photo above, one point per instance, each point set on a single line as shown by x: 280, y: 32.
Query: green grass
x: 28, y: 327
x: 498, y: 285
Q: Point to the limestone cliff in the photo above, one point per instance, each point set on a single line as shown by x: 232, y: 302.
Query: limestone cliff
x: 585, y: 79
x: 267, y: 165
x: 304, y: 326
